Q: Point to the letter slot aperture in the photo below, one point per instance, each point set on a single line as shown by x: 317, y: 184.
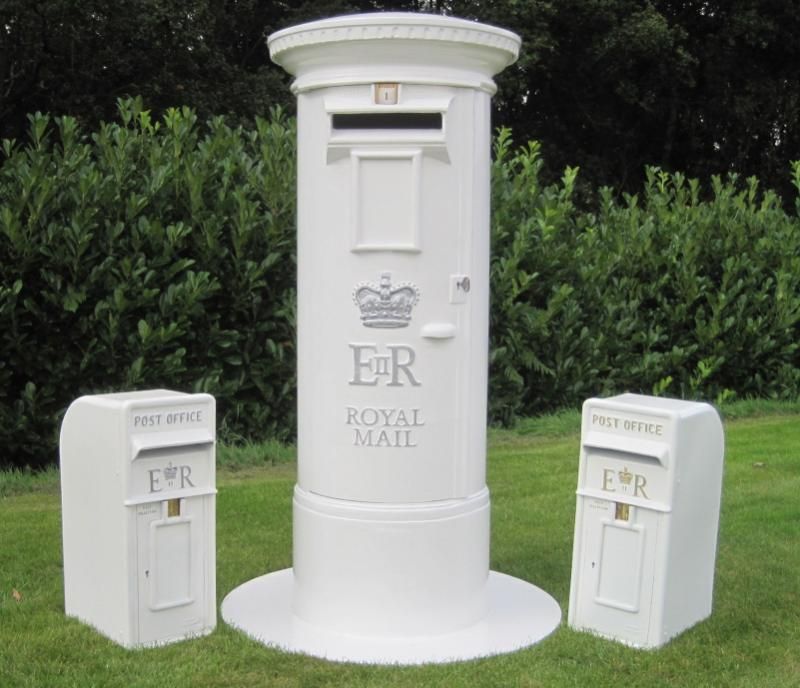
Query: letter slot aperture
x: 387, y: 120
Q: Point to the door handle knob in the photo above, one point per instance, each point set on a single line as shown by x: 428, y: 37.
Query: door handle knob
x: 438, y: 330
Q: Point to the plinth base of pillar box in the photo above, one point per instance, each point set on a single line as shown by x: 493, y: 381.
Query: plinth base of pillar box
x: 392, y: 584
x: 385, y: 569
x: 519, y: 615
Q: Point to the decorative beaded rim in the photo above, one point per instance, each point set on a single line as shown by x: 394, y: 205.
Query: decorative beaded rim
x: 394, y: 25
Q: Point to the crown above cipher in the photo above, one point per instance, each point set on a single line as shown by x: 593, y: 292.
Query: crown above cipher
x: 383, y: 305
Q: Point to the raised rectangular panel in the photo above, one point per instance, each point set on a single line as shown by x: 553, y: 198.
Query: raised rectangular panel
x: 170, y: 563
x: 386, y: 203
x: 619, y: 580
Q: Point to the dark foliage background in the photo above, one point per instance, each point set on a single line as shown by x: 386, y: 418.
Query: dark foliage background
x: 147, y: 254
x: 702, y: 86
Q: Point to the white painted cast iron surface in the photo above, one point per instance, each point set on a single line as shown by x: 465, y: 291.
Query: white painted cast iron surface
x: 391, y: 510
x: 138, y: 515
x: 519, y: 615
x: 649, y: 487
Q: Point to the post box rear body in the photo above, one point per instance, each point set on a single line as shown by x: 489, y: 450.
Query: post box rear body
x: 649, y: 487
x: 138, y: 513
x: 391, y: 510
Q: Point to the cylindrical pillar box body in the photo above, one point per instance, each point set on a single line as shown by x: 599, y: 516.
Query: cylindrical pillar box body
x: 391, y: 511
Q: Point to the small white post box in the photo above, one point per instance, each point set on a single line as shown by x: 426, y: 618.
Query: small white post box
x: 138, y: 513
x: 391, y: 509
x: 649, y: 486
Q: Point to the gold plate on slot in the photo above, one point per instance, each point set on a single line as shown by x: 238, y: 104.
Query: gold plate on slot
x: 386, y: 94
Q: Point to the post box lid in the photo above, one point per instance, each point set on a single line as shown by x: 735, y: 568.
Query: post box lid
x: 364, y: 47
x: 663, y: 405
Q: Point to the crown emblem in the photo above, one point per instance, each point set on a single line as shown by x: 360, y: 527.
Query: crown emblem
x: 383, y: 305
x: 625, y: 476
x: 170, y: 472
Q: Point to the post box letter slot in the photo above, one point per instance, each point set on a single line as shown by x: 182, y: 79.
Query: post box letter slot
x: 387, y: 120
x: 656, y: 452
x: 605, y: 453
x: 168, y: 452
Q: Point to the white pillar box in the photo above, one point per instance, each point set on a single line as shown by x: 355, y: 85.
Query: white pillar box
x: 138, y: 513
x: 649, y: 487
x: 391, y: 509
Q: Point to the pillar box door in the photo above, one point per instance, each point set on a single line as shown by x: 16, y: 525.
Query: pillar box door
x: 393, y: 294
x: 393, y: 252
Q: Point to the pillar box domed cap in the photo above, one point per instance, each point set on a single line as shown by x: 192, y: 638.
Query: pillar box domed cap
x: 393, y: 46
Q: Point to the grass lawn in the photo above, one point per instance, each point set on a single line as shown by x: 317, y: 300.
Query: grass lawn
x: 752, y: 638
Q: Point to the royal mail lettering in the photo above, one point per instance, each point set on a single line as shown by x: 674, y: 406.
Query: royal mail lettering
x: 384, y: 427
x: 370, y: 437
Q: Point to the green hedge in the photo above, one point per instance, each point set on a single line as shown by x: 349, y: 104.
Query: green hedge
x: 662, y: 293
x: 152, y: 254
x: 161, y: 254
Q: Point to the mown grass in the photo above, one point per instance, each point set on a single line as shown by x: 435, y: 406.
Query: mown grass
x: 750, y: 640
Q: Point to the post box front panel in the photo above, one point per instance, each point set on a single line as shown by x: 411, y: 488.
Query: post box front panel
x: 393, y: 294
x: 171, y: 447
x: 159, y: 472
x: 616, y: 569
x: 624, y: 476
x: 172, y: 552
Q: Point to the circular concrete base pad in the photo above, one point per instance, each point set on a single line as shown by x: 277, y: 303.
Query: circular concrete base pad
x: 520, y: 614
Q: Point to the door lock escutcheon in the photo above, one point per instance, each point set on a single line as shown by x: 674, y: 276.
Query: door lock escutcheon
x: 459, y: 288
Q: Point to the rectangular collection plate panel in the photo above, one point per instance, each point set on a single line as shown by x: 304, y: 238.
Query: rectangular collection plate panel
x: 386, y: 190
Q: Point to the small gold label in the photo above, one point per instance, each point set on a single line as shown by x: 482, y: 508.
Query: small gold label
x: 622, y: 512
x: 386, y: 94
x: 173, y: 507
